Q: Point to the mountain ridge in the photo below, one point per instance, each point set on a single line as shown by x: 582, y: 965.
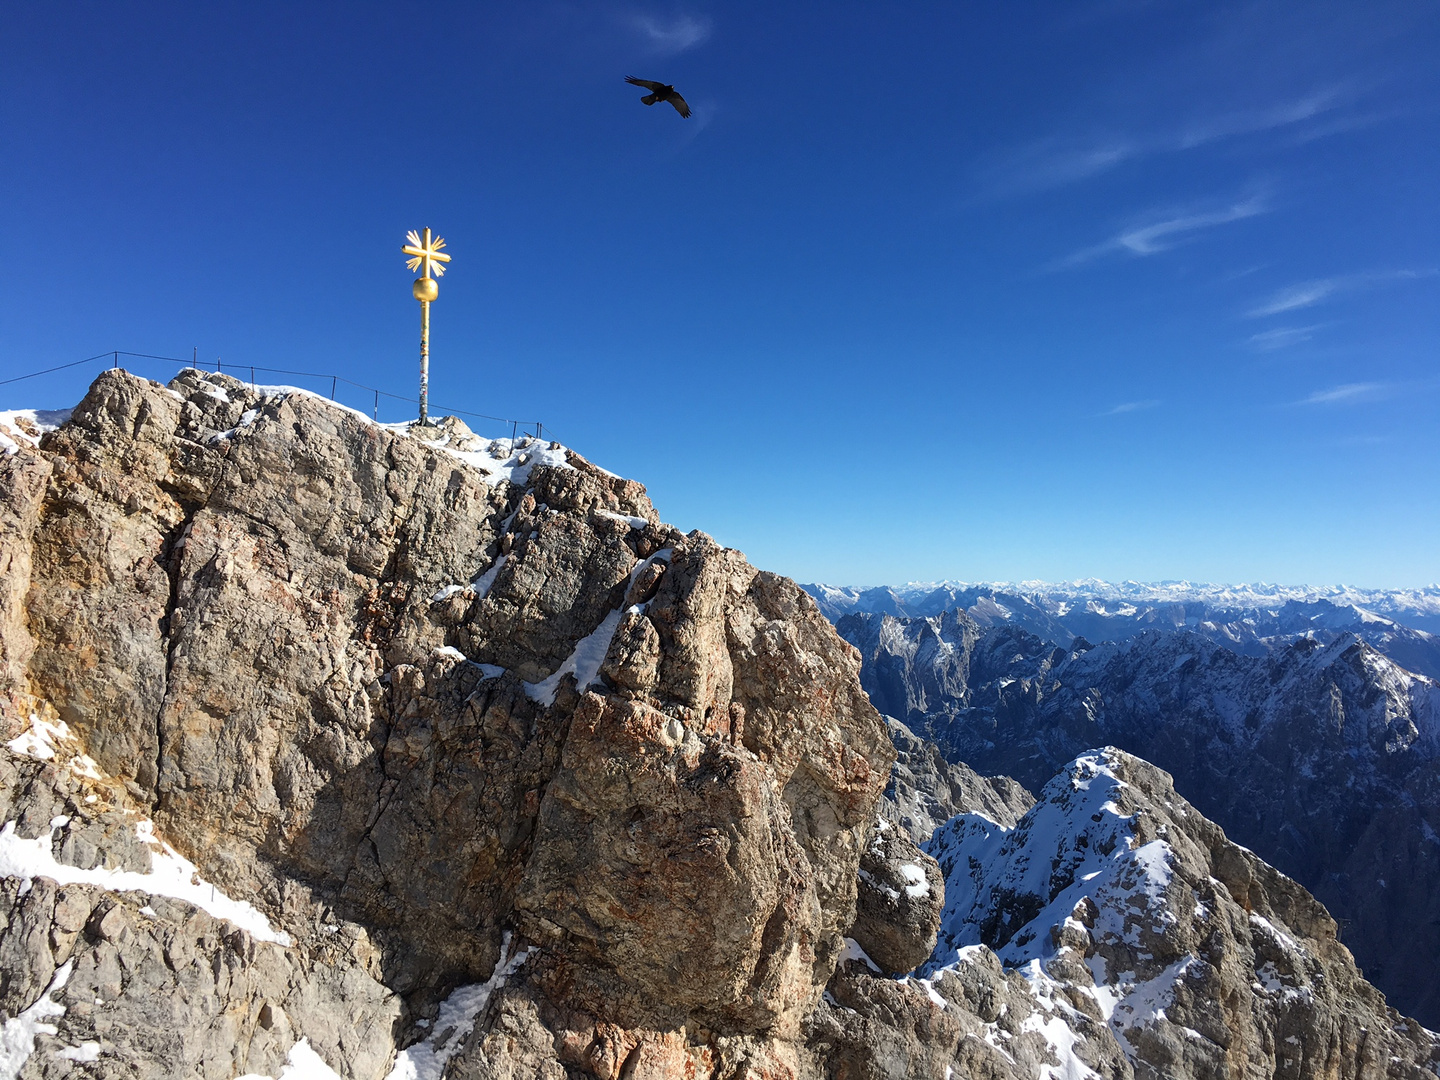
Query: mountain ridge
x: 1321, y: 758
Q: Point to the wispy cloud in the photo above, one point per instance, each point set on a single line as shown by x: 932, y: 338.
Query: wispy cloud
x: 1282, y: 337
x: 1055, y: 162
x: 1341, y: 125
x: 1161, y: 233
x: 1309, y: 293
x: 1249, y: 122
x: 1130, y: 406
x: 667, y: 37
x: 1348, y: 393
x: 1157, y: 237
x: 1064, y: 159
x: 1295, y: 297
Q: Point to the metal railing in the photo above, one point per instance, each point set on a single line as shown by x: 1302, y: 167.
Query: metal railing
x: 517, y: 427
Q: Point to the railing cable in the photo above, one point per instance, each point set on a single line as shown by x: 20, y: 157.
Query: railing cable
x: 335, y: 380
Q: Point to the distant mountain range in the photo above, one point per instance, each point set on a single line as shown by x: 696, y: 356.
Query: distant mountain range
x: 932, y: 597
x: 1251, y: 619
x: 1298, y: 727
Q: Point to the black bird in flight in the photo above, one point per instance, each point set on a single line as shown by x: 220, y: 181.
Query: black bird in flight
x: 660, y: 92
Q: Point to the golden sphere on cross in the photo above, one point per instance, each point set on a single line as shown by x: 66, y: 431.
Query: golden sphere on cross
x: 425, y: 289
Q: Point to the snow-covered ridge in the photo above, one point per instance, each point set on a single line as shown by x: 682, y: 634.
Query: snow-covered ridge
x: 1313, y: 753
x: 1076, y: 836
x: 1252, y: 620
x: 1180, y: 590
x: 1107, y: 900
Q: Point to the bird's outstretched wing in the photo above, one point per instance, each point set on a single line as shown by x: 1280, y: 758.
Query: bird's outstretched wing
x: 633, y: 81
x: 680, y: 106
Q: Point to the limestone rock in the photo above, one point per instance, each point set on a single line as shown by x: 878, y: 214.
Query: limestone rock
x: 902, y: 894
x: 142, y: 984
x: 409, y: 693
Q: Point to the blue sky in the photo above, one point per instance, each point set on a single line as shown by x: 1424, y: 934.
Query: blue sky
x: 979, y: 291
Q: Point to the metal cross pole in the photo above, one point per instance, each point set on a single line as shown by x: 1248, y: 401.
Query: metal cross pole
x: 425, y: 256
x: 429, y: 286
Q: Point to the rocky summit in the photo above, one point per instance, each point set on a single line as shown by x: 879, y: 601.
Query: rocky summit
x: 439, y: 712
x: 389, y: 752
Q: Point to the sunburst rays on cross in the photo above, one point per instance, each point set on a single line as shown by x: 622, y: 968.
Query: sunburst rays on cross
x: 425, y: 253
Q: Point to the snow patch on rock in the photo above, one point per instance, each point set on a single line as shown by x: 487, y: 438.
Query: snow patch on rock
x: 459, y: 1013
x: 302, y: 1063
x: 171, y: 874
x: 23, y: 427
x: 584, y: 663
x: 17, y: 1037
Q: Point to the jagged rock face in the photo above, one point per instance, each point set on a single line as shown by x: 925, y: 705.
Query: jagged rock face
x: 913, y: 668
x: 926, y: 790
x: 661, y: 862
x: 1115, y: 932
x: 1321, y: 758
x: 426, y: 690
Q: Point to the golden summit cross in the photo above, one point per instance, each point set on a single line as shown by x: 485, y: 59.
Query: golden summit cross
x: 426, y: 252
x: 426, y: 255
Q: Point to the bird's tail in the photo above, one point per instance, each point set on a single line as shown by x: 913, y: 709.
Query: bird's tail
x: 649, y: 99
